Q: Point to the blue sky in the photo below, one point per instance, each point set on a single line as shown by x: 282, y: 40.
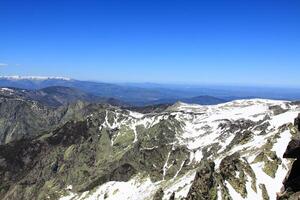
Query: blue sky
x: 242, y: 42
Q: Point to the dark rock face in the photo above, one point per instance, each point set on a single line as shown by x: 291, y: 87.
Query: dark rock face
x: 172, y: 197
x: 277, y: 109
x: 123, y: 173
x: 237, y: 125
x: 292, y: 181
x: 204, y: 186
x: 297, y: 122
x: 240, y: 138
x: 234, y: 169
x: 159, y: 194
x: 293, y: 149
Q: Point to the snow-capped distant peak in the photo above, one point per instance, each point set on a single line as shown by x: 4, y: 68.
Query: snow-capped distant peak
x: 34, y: 78
x: 180, y: 106
x: 6, y: 90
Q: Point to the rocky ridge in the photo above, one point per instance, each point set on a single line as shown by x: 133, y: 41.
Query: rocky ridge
x: 226, y: 151
x: 29, y: 113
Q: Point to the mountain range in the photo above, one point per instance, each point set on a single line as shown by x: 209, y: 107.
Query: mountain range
x: 149, y: 94
x: 63, y: 143
x: 88, y: 150
x: 132, y: 95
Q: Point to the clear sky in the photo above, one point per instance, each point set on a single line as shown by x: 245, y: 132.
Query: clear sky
x: 246, y: 42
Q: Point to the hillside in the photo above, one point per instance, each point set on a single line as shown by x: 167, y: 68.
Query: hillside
x: 236, y: 148
x: 28, y: 113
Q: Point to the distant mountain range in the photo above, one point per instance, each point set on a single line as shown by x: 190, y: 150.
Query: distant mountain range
x: 129, y: 94
x: 142, y: 94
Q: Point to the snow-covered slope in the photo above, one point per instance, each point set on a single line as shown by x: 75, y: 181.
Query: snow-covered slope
x: 245, y: 140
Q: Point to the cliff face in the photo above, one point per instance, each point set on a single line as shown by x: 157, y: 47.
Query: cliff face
x: 291, y: 189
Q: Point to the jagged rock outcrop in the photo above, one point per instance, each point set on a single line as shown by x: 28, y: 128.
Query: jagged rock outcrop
x: 159, y: 194
x: 204, y: 185
x: 172, y: 197
x: 297, y: 122
x: 293, y: 149
x: 291, y: 189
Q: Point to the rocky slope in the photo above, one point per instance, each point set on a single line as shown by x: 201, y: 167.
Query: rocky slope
x: 226, y: 151
x: 55, y: 96
x: 23, y: 118
x: 27, y: 113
